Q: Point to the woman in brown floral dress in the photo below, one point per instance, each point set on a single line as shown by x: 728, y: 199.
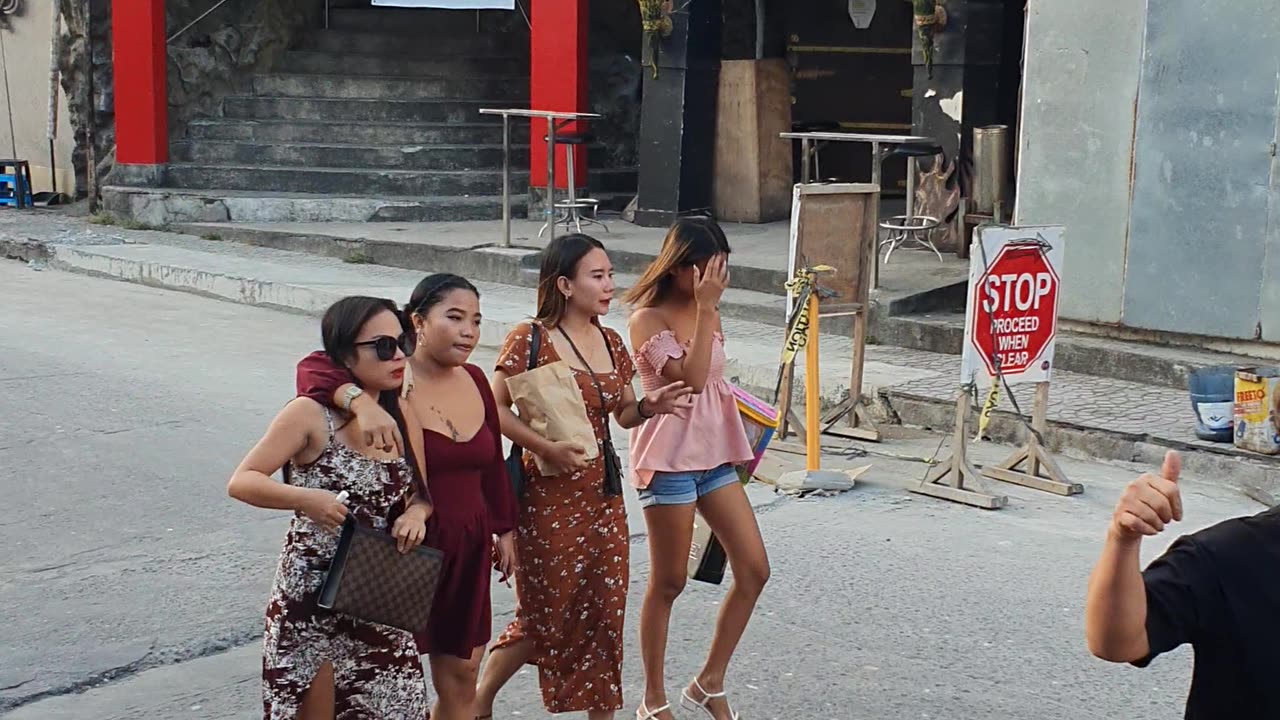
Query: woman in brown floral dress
x: 319, y: 664
x: 572, y: 544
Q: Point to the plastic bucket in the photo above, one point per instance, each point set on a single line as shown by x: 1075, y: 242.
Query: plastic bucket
x: 1213, y: 401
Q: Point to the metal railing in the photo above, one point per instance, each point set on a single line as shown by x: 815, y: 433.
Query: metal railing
x: 209, y: 12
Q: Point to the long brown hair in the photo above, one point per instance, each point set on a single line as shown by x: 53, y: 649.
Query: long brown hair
x: 689, y: 241
x: 560, y: 259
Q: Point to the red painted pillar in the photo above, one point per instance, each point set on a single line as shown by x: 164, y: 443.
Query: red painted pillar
x: 141, y: 98
x: 557, y: 82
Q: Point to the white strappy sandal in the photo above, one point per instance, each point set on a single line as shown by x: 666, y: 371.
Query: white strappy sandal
x: 644, y: 713
x: 688, y: 703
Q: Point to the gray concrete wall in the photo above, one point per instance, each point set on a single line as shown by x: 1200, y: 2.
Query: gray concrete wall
x: 1150, y: 137
x: 1080, y: 86
x: 1197, y: 251
x: 25, y: 60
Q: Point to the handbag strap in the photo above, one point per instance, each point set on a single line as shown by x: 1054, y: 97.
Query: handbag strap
x: 535, y: 346
x: 608, y: 434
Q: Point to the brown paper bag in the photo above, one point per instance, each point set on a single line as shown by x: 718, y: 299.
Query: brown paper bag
x: 551, y: 403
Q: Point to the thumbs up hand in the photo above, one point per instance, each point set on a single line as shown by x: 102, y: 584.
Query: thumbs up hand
x: 1150, y: 502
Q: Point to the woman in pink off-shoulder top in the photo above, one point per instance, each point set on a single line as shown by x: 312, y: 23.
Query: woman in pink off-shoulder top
x: 679, y: 463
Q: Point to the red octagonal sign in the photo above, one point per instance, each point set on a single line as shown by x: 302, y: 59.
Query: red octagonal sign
x: 1016, y: 309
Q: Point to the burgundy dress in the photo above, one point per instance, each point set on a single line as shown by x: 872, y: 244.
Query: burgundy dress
x: 472, y: 500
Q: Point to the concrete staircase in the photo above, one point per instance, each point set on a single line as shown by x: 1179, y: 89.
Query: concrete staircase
x: 375, y: 118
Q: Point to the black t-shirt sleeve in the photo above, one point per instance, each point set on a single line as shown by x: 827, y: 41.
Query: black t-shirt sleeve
x: 1183, y: 598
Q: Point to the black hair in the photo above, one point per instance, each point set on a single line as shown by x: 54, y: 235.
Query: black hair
x: 560, y: 259
x: 343, y: 321
x: 432, y: 289
x: 339, y: 329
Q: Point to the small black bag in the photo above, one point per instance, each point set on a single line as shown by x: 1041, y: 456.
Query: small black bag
x: 611, y: 462
x: 515, y: 459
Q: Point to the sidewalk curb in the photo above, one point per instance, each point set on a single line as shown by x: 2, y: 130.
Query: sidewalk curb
x: 1257, y: 478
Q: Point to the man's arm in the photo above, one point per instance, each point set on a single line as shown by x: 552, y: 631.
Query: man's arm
x: 1116, y: 610
x: 1116, y: 607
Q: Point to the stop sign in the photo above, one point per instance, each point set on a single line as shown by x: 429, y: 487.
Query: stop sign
x: 1015, y: 310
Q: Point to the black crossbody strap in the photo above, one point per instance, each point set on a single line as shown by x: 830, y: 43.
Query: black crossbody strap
x: 607, y: 432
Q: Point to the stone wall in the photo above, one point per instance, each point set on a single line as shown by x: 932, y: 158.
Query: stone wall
x: 85, y: 63
x: 217, y: 56
x: 206, y: 63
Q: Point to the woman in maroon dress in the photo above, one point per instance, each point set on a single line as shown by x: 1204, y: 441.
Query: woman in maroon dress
x: 471, y: 494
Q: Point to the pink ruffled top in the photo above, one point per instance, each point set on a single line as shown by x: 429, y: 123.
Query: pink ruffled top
x: 710, y: 436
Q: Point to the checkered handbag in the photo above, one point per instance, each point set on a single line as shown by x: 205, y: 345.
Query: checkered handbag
x: 370, y: 579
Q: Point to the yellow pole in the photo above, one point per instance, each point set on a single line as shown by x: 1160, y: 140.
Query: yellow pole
x: 812, y: 397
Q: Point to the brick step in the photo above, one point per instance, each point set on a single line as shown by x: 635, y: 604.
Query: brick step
x: 424, y: 156
x: 447, y: 46
x: 356, y: 182
x: 361, y: 110
x: 482, y: 132
x: 307, y: 61
x: 423, y: 20
x: 364, y: 87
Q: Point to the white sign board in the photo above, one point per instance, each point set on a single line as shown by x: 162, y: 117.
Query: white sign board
x: 1011, y: 316
x: 450, y: 4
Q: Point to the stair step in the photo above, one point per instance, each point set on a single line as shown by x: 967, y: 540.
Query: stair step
x: 307, y: 61
x: 421, y: 156
x: 483, y: 132
x: 356, y: 110
x: 447, y: 46
x: 165, y: 206
x: 418, y: 20
x: 347, y: 181
x: 378, y: 88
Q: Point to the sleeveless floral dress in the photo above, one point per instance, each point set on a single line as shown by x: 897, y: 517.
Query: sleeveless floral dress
x: 377, y: 671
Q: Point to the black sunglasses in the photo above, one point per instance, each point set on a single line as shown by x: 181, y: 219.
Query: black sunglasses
x: 385, y: 345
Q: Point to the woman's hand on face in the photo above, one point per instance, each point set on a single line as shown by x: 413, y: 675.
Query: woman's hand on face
x: 708, y: 286
x: 674, y: 399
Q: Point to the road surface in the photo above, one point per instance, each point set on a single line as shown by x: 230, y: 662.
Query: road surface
x: 134, y: 588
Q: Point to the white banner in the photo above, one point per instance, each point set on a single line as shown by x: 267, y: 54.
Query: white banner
x: 450, y: 4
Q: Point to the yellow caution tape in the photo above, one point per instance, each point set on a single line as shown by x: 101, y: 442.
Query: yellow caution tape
x: 993, y: 399
x: 801, y: 286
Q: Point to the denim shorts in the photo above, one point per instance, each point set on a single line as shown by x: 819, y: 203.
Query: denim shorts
x: 684, y: 488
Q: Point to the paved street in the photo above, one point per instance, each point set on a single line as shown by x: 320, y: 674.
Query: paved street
x: 132, y: 577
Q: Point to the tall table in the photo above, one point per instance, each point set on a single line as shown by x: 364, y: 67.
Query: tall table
x: 555, y: 122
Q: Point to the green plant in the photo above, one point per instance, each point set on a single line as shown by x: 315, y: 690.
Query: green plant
x: 211, y: 236
x: 357, y: 258
x: 655, y: 23
x: 930, y: 18
x: 102, y: 219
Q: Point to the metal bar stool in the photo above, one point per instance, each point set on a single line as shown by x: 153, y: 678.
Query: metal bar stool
x: 572, y: 209
x: 911, y: 228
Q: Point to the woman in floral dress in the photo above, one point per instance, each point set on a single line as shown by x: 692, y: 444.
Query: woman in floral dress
x: 319, y: 664
x: 572, y: 544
